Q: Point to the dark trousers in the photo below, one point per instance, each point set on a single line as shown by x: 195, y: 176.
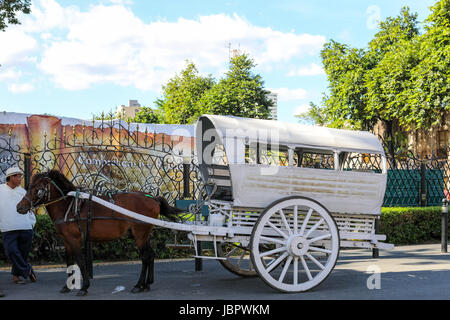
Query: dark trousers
x: 17, y: 246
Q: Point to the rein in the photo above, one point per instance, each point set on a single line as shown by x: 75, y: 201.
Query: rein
x: 47, y: 191
x: 76, y: 208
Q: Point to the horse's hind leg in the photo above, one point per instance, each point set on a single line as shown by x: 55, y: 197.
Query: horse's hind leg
x: 141, y: 235
x: 141, y: 285
x: 150, y: 267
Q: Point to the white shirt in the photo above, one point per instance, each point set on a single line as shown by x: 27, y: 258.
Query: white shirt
x: 10, y: 219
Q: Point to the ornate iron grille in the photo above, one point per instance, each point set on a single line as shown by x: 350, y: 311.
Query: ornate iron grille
x: 109, y: 158
x: 12, y: 154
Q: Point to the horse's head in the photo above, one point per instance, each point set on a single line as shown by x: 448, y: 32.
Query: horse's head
x: 38, y: 193
x: 44, y: 188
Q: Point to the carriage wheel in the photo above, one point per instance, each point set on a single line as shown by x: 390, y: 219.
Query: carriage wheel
x: 294, y: 244
x: 238, y: 259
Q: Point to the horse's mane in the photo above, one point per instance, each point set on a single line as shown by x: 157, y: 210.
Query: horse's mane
x: 61, y: 181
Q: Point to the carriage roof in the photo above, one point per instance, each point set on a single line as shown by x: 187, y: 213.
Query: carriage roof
x: 289, y: 134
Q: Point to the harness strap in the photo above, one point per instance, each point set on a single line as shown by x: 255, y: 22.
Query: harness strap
x: 68, y: 210
x: 77, y: 219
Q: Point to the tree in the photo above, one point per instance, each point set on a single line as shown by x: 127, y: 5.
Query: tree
x: 240, y: 92
x: 400, y: 79
x: 315, y: 114
x: 346, y: 69
x: 8, y: 10
x: 181, y: 94
x: 430, y: 79
x: 147, y: 115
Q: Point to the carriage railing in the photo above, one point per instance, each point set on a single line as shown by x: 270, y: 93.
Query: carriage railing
x: 355, y: 230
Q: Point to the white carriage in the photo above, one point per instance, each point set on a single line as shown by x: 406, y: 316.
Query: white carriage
x: 291, y: 194
x: 287, y: 196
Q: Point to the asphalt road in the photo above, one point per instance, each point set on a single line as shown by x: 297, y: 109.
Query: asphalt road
x: 407, y: 272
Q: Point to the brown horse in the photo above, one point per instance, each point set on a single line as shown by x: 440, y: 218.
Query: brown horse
x: 98, y: 222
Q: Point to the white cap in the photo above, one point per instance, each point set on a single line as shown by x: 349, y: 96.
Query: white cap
x: 12, y: 171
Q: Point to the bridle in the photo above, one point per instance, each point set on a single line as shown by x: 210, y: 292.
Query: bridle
x: 44, y: 192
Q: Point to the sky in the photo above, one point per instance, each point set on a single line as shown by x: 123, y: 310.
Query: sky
x: 79, y: 58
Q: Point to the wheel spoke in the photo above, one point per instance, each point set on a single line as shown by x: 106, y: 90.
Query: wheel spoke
x: 320, y: 250
x: 285, y: 269
x: 295, y: 281
x: 295, y: 219
x: 271, y: 252
x: 325, y: 236
x: 277, y: 230
x: 305, y: 222
x: 286, y: 224
x: 315, y: 227
x: 308, y: 273
x: 241, y: 258
x: 273, y: 240
x: 229, y: 254
x: 275, y: 263
x: 321, y: 266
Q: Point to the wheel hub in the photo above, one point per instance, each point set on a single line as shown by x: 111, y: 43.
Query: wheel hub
x: 297, y: 245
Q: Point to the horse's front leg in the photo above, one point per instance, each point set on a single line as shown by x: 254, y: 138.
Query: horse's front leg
x: 79, y: 257
x: 70, y: 261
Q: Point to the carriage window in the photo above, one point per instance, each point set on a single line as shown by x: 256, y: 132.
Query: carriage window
x: 316, y: 159
x: 361, y: 162
x: 264, y: 154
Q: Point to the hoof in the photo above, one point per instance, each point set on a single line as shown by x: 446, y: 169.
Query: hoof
x: 64, y: 290
x: 82, y: 293
x: 140, y: 289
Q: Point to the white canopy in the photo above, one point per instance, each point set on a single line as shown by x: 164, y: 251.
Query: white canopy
x: 290, y: 134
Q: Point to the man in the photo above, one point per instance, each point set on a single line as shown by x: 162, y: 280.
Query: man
x: 16, y: 228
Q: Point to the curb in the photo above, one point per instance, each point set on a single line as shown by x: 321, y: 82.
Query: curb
x: 97, y: 264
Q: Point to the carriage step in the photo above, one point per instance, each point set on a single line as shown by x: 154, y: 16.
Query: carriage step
x: 178, y: 246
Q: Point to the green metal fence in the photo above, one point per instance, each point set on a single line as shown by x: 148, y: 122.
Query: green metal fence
x: 413, y: 183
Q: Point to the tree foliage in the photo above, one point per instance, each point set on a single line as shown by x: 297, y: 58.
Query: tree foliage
x: 147, y: 115
x: 240, y: 93
x: 401, y: 77
x: 315, y: 114
x: 179, y: 104
x: 9, y: 9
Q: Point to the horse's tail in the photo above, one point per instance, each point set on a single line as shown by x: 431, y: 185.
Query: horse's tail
x: 167, y: 210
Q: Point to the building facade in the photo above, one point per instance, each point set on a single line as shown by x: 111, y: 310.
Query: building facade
x: 128, y: 111
x: 424, y: 143
x: 273, y: 110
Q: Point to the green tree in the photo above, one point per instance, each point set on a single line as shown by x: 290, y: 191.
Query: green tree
x: 346, y: 68
x: 315, y: 114
x: 240, y: 92
x: 9, y: 9
x: 179, y: 104
x: 147, y: 115
x: 400, y: 79
x: 429, y: 94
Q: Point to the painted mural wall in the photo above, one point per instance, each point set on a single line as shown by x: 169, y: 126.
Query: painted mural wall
x: 86, y: 144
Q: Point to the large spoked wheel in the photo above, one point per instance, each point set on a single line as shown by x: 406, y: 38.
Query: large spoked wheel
x: 294, y: 244
x: 237, y: 259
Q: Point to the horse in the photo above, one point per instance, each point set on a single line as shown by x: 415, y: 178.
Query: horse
x: 74, y: 219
